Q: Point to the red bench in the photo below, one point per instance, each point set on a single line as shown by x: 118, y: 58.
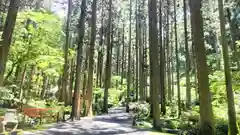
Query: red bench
x: 40, y: 113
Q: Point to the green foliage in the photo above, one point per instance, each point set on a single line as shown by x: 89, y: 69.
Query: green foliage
x: 238, y: 43
x: 36, y: 103
x: 57, y: 107
x: 2, y: 111
x: 37, y: 41
x: 218, y: 88
x: 97, y: 100
x: 115, y: 80
x: 5, y: 93
x: 141, y: 110
x: 115, y: 95
x: 8, y: 98
x: 221, y: 126
x: 189, y: 122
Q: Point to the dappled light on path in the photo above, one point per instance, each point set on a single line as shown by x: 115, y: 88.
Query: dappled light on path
x: 117, y: 122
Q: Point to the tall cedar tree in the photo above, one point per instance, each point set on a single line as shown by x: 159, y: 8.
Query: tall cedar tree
x: 91, y: 60
x: 228, y: 78
x: 206, y: 113
x: 154, y: 62
x: 7, y: 36
x: 65, y: 93
x: 177, y: 59
x: 76, y: 98
x: 108, y: 61
x: 188, y: 89
x: 129, y: 58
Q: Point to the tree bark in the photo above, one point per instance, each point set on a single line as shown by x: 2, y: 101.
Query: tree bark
x: 233, y: 130
x: 137, y: 50
x: 162, y: 62
x: 7, y: 36
x: 66, y: 97
x: 129, y: 59
x: 188, y: 88
x: 109, y: 60
x: 91, y: 60
x: 77, y: 94
x: 100, y: 50
x: 154, y: 62
x: 141, y: 63
x: 123, y: 55
x: 233, y: 30
x: 29, y: 86
x: 169, y: 82
x: 177, y: 61
x: 22, y: 94
x: 72, y: 77
x: 206, y: 113
x: 44, y: 85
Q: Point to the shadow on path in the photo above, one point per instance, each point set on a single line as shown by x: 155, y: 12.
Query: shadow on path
x: 117, y: 122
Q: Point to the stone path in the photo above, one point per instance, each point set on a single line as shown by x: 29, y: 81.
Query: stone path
x: 117, y: 122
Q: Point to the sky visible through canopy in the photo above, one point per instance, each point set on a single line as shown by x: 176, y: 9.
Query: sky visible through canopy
x: 59, y: 7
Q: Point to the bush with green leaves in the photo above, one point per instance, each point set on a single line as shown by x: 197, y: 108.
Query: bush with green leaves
x: 221, y: 126
x: 116, y: 95
x: 97, y: 100
x: 37, y: 42
x: 8, y: 97
x: 141, y: 110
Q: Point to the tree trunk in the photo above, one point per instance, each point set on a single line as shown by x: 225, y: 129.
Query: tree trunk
x: 44, y: 86
x: 129, y: 59
x: 77, y: 94
x: 233, y: 130
x: 233, y: 31
x: 177, y: 60
x: 91, y: 60
x: 123, y: 55
x: 146, y: 67
x: 65, y: 90
x: 188, y: 88
x: 100, y: 51
x: 22, y: 82
x: 7, y: 36
x: 172, y: 63
x: 11, y: 70
x: 141, y: 64
x: 84, y: 71
x: 206, y: 113
x: 154, y: 62
x: 162, y: 62
x: 29, y: 87
x: 194, y: 70
x: 72, y: 76
x: 168, y: 57
x: 108, y: 62
x: 137, y: 50
x: 118, y: 52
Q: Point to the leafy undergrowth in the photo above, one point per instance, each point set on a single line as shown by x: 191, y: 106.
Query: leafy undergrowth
x: 157, y: 133
x: 187, y: 124
x: 36, y: 128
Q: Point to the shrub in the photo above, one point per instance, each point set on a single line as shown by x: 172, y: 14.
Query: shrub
x: 221, y: 126
x: 141, y: 111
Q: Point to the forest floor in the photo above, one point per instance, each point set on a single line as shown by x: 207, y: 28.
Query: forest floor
x: 117, y: 122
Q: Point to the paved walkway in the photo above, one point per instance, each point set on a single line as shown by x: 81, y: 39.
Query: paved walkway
x: 117, y: 122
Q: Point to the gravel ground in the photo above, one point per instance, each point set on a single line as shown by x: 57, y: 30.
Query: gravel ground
x: 117, y: 122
